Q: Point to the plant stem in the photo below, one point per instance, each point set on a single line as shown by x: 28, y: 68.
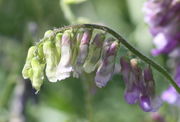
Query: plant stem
x: 87, y: 83
x: 6, y: 94
x: 127, y: 45
x: 67, y: 12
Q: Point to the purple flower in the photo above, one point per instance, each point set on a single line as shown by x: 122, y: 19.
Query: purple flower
x: 140, y: 86
x: 83, y: 47
x: 83, y: 52
x: 106, y: 68
x: 130, y: 78
x: 163, y: 18
x: 148, y: 101
x: 170, y: 95
x: 94, y: 53
x: 149, y: 104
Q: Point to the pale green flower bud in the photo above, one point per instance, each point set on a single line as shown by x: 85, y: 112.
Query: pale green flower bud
x: 40, y: 52
x: 94, y: 53
x: 52, y: 58
x: 64, y: 68
x: 27, y: 65
x: 75, y: 46
x: 75, y: 54
x: 83, y: 51
x: 38, y: 73
x: 49, y: 34
x: 30, y: 74
x: 58, y: 39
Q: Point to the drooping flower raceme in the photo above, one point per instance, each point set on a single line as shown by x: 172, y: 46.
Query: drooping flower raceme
x: 163, y: 18
x: 78, y: 52
x: 140, y: 86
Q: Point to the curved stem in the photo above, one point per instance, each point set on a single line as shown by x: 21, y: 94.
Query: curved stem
x: 127, y: 45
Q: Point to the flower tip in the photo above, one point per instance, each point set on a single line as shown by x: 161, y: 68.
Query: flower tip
x: 148, y: 104
x: 48, y: 34
x: 63, y: 76
x: 53, y: 79
x: 145, y: 104
x: 100, y: 85
x: 36, y: 86
x: 101, y: 80
x: 131, y: 97
x: 37, y: 91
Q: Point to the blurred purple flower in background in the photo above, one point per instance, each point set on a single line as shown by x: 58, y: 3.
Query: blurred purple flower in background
x: 163, y: 18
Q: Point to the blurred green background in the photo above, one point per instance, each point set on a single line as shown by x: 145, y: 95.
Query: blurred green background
x: 23, y: 23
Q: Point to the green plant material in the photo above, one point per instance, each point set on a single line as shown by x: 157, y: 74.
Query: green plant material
x: 37, y: 73
x: 94, y: 53
x: 58, y: 43
x: 52, y: 60
x: 27, y: 66
x: 73, y: 1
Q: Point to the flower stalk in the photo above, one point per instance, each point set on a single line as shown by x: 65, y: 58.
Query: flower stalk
x: 124, y: 42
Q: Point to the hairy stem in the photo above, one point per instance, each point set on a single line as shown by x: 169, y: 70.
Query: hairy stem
x: 128, y: 46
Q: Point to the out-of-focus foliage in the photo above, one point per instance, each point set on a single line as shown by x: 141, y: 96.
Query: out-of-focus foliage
x: 23, y: 22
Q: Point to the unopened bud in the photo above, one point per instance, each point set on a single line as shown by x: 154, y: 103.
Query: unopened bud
x: 38, y: 73
x: 52, y: 58
x: 27, y: 66
x: 64, y: 67
x: 94, y: 53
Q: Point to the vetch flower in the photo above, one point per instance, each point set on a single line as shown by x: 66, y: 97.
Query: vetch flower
x: 65, y: 68
x: 52, y: 59
x: 87, y: 52
x: 140, y: 86
x: 37, y: 73
x: 83, y: 50
x: 106, y: 68
x: 94, y: 53
x: 83, y: 47
x: 58, y: 39
x: 148, y: 101
x: 163, y: 18
x: 27, y: 66
x: 132, y: 92
x: 170, y: 95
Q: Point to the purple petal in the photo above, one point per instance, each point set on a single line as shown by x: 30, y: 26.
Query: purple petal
x: 149, y: 104
x: 131, y: 96
x: 145, y: 103
x: 170, y: 96
x: 106, y: 68
x: 149, y: 82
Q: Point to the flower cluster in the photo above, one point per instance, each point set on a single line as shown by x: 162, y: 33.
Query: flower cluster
x: 170, y: 95
x: 163, y: 18
x: 76, y: 51
x: 140, y: 86
x: 70, y: 54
